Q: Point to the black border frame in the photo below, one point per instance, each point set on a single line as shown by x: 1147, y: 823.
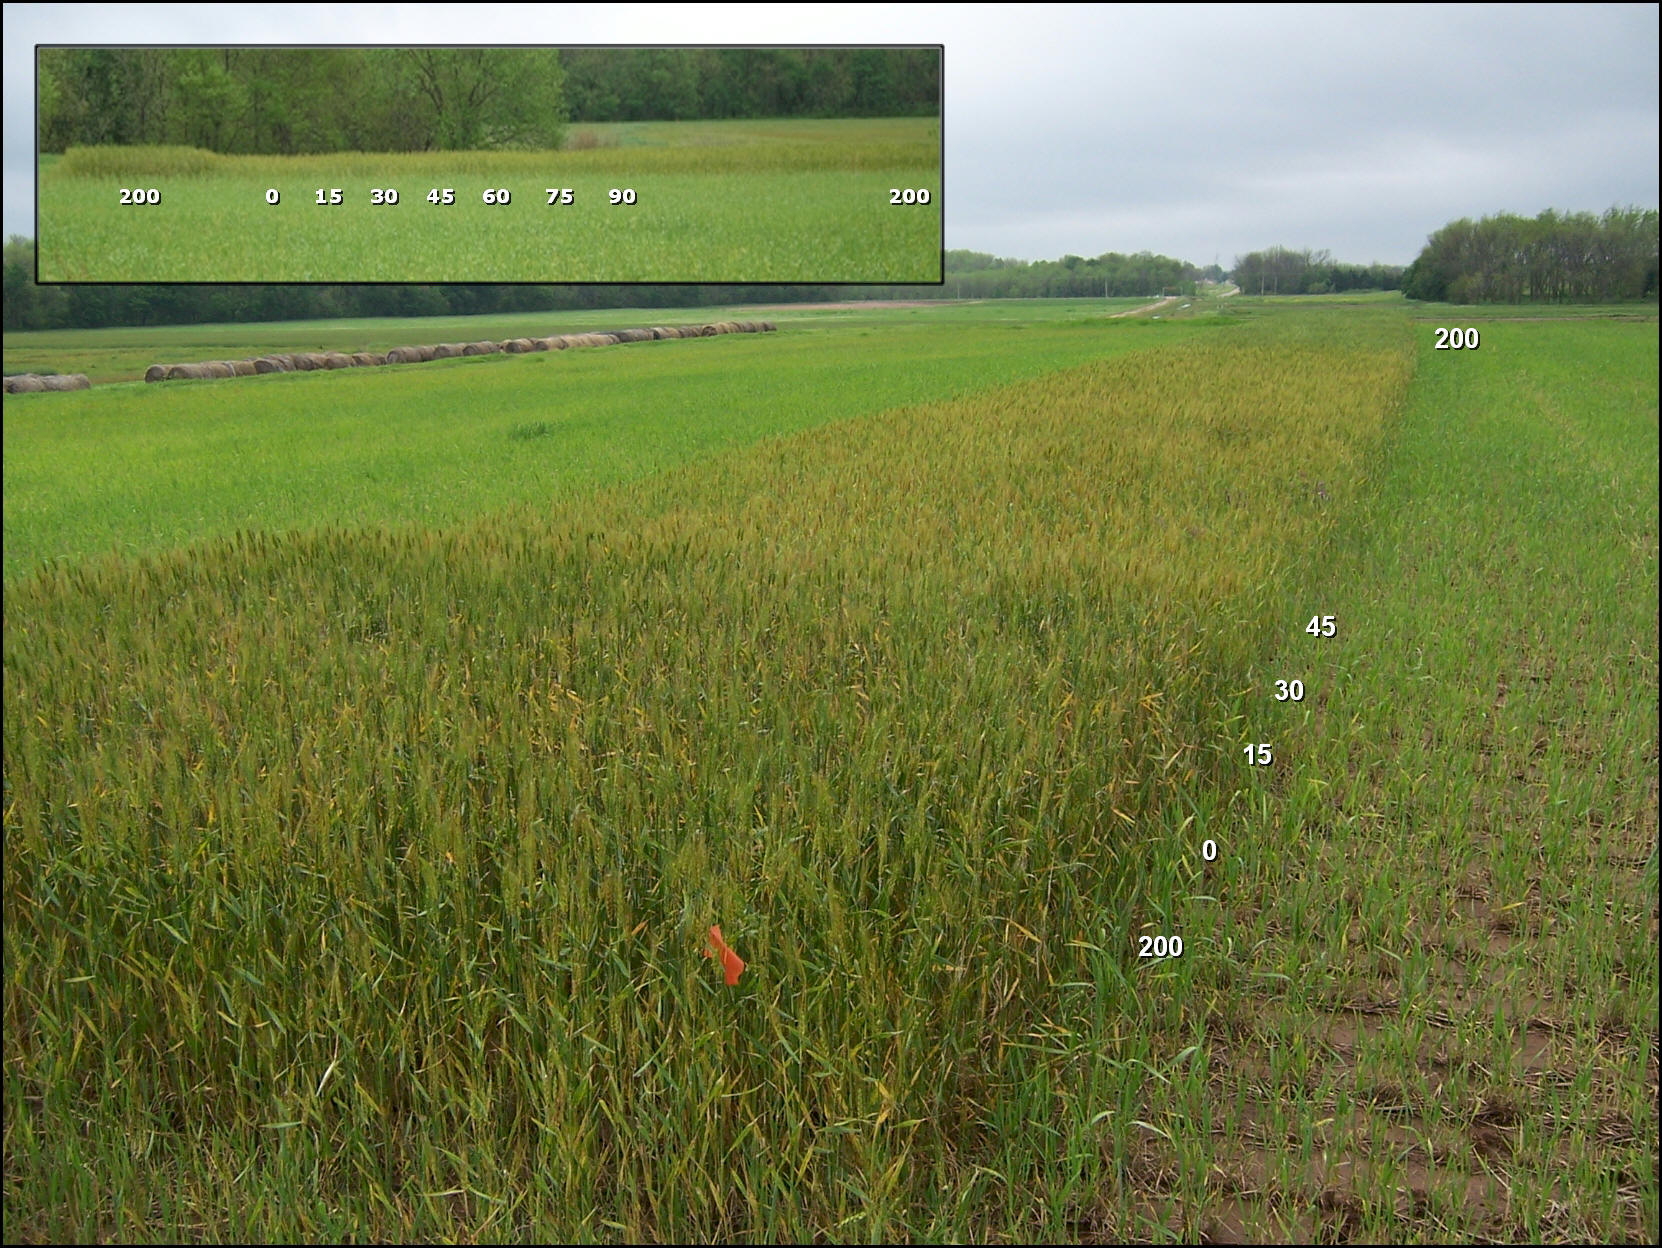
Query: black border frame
x: 940, y: 48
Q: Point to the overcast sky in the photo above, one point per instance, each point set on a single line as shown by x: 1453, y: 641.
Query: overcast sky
x: 1197, y: 131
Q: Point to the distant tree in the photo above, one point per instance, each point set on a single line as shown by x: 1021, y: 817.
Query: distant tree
x: 19, y: 276
x: 209, y: 101
x: 487, y: 97
x: 1553, y: 257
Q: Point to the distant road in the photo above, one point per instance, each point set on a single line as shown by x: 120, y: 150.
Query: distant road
x: 1147, y: 307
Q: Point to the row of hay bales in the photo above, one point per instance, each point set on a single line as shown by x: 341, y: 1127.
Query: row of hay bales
x: 308, y: 361
x: 288, y: 362
x: 34, y: 383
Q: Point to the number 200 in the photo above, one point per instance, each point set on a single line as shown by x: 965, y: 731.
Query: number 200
x: 1456, y: 340
x: 1160, y: 947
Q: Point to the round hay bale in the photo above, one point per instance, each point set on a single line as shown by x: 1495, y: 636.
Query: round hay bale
x: 517, y: 346
x: 557, y: 342
x: 307, y: 362
x: 427, y: 352
x: 538, y: 344
x: 335, y: 359
x: 218, y: 368
x: 28, y: 383
x: 363, y: 359
x: 183, y: 372
x: 8, y: 386
x: 243, y: 368
x: 768, y: 327
x: 404, y: 355
x: 480, y: 348
x: 65, y: 381
x: 156, y: 372
x: 266, y: 364
x: 659, y: 333
x: 447, y: 350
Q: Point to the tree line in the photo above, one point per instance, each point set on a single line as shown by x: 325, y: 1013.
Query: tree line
x: 977, y: 275
x: 1553, y: 258
x: 294, y: 101
x: 1286, y: 271
x: 969, y: 275
x: 297, y: 101
x: 697, y: 84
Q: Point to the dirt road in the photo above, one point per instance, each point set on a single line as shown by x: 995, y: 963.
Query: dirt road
x: 1147, y: 307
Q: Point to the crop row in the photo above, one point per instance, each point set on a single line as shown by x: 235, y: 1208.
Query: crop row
x: 387, y: 859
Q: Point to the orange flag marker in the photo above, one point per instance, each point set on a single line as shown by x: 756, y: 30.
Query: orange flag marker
x: 730, y: 961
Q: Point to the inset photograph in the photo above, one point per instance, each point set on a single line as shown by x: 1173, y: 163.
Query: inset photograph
x: 477, y: 164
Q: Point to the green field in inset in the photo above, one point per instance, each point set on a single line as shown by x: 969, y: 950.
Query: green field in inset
x: 740, y: 201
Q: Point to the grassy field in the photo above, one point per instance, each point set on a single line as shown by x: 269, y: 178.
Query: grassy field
x: 356, y: 879
x: 147, y: 467
x: 796, y: 201
x: 122, y: 354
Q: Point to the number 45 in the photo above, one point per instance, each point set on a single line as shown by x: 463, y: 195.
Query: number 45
x: 1321, y: 626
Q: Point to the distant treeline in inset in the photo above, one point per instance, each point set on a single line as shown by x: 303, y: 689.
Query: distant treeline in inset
x: 1571, y: 257
x: 698, y: 84
x: 300, y: 101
